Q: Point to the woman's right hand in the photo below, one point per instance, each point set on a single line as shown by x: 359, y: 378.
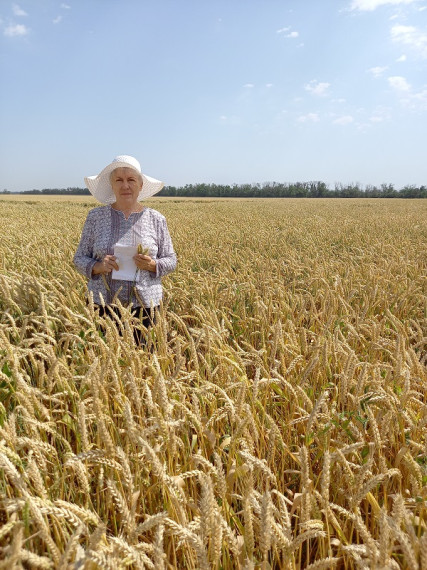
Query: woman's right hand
x: 105, y: 266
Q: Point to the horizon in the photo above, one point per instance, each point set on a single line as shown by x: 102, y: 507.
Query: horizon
x: 264, y: 185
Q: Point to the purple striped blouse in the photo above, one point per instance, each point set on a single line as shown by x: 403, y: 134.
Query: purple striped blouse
x: 103, y: 229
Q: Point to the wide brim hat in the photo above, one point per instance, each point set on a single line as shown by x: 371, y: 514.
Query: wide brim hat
x: 100, y: 186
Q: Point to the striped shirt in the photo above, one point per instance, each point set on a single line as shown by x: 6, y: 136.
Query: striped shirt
x: 103, y: 229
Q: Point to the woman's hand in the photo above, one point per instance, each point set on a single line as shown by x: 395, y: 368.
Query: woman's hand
x: 105, y: 266
x: 145, y: 262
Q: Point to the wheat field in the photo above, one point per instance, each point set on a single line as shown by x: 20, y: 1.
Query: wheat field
x: 276, y: 418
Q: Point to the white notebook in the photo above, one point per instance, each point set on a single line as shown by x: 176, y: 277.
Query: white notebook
x: 124, y: 259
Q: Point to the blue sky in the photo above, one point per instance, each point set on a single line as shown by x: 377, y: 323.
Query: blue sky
x: 223, y: 91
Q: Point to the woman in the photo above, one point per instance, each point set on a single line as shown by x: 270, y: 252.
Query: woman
x: 125, y: 248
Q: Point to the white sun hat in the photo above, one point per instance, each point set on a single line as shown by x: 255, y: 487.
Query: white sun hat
x: 100, y: 187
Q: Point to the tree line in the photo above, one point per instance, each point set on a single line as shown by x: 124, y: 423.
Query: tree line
x: 314, y: 189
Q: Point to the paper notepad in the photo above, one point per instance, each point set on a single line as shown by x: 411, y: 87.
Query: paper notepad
x: 124, y: 259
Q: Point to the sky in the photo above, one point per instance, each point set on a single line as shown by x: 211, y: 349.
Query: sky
x: 214, y: 91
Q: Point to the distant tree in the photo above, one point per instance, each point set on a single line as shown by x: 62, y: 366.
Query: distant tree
x: 74, y: 191
x: 317, y: 190
x: 168, y: 191
x: 313, y: 189
x: 413, y: 192
x: 388, y: 191
x: 372, y: 191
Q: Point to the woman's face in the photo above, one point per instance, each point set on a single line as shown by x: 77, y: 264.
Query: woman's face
x: 126, y: 185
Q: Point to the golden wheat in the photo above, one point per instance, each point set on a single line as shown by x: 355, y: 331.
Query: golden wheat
x: 276, y: 418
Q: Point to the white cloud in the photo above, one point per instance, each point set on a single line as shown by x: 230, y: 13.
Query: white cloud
x: 415, y: 101
x: 16, y: 30
x: 59, y: 18
x: 399, y: 83
x: 419, y: 100
x: 369, y: 5
x: 345, y: 120
x: 401, y: 58
x: 377, y: 71
x: 287, y: 33
x: 317, y: 87
x: 412, y: 37
x: 248, y: 85
x: 309, y: 118
x: 380, y: 114
x: 407, y: 97
x: 269, y: 85
x: 18, y: 11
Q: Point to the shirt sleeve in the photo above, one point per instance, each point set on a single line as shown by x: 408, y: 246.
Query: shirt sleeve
x: 83, y: 258
x: 166, y: 257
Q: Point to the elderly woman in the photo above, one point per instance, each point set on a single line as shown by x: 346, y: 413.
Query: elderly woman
x: 125, y: 248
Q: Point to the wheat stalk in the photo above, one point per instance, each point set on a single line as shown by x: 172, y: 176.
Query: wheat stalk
x: 281, y: 394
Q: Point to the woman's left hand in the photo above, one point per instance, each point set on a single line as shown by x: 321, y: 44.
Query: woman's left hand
x: 145, y: 262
